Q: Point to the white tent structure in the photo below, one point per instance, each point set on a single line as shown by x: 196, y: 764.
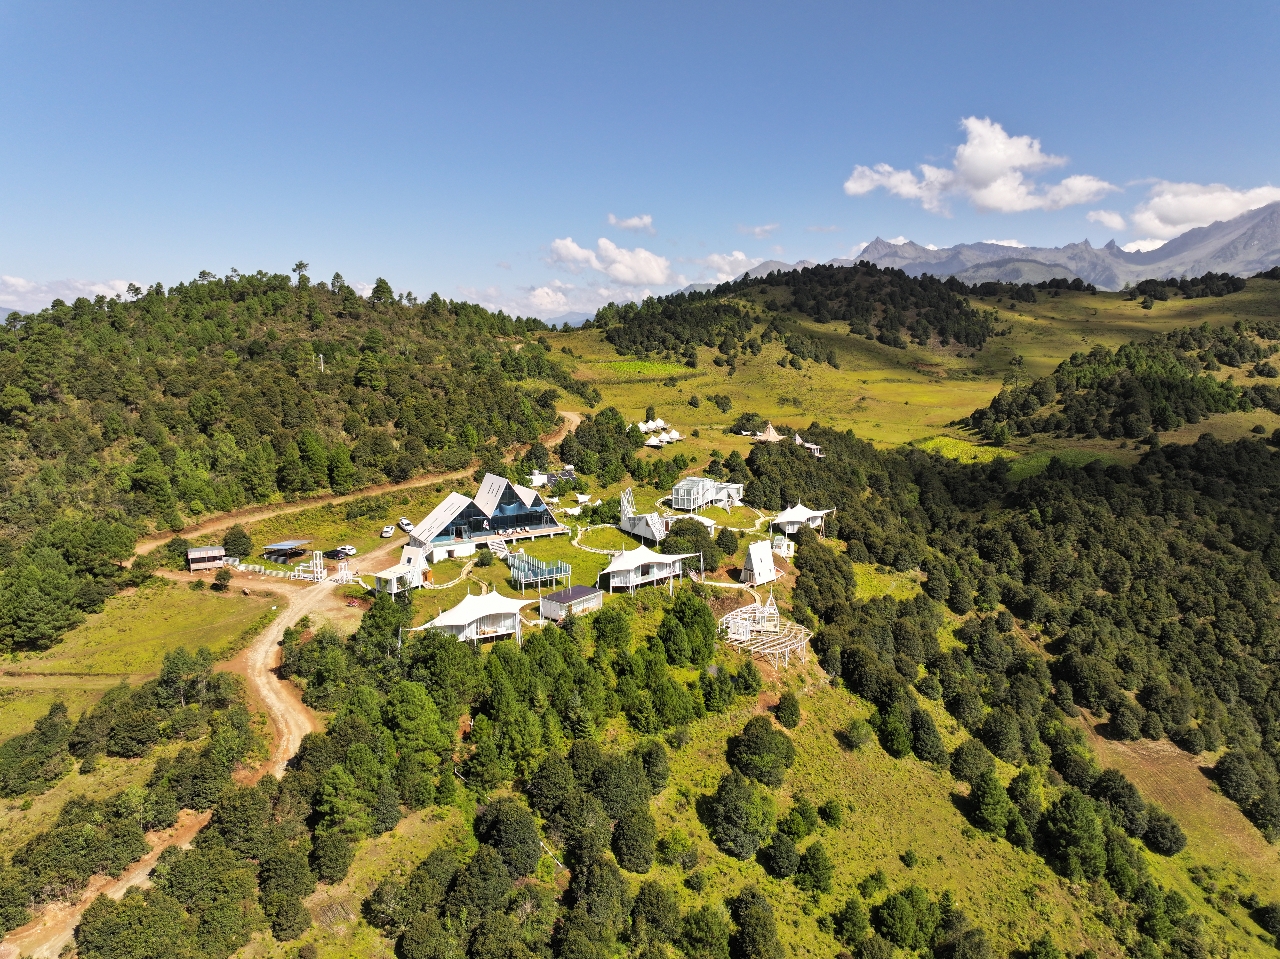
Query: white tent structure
x: 791, y: 519
x: 647, y: 526
x: 758, y: 568
x: 483, y: 618
x: 813, y: 448
x: 642, y: 566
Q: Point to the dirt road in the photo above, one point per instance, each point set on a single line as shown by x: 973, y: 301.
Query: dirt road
x: 252, y: 513
x: 54, y: 928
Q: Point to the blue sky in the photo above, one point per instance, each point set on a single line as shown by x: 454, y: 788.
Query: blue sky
x: 511, y: 155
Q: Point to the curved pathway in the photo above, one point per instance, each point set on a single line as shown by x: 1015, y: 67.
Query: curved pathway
x: 53, y: 929
x: 225, y: 521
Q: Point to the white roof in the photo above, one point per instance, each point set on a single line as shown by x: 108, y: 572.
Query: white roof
x: 648, y: 525
x: 674, y: 436
x: 799, y: 514
x: 653, y: 441
x: 573, y: 510
x: 491, y: 489
x: 759, y: 556
x: 634, y: 558
x: 439, y: 518
x: 475, y: 607
x: 705, y: 521
x: 658, y: 423
x: 664, y: 437
x: 392, y: 572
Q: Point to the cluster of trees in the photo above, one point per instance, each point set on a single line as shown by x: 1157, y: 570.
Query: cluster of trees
x: 879, y: 304
x: 248, y: 870
x: 1139, y: 578
x: 605, y: 446
x: 673, y: 326
x: 50, y: 581
x: 188, y: 701
x: 1016, y: 292
x: 1156, y: 385
x: 1211, y: 284
x: 225, y: 391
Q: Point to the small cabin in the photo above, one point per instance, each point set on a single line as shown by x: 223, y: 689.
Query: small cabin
x: 200, y: 558
x: 578, y: 600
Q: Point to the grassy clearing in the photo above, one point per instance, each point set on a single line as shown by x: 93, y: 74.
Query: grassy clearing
x: 1218, y: 834
x: 21, y: 819
x: 339, y: 931
x: 608, y: 537
x: 874, y: 581
x: 961, y: 450
x: 132, y: 634
x: 892, y: 396
x: 127, y: 640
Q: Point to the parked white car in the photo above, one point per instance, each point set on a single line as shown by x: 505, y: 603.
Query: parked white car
x: 388, y: 532
x: 346, y: 551
x: 405, y: 524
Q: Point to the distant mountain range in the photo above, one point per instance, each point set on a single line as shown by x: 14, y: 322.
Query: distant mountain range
x: 1248, y: 244
x: 1244, y: 245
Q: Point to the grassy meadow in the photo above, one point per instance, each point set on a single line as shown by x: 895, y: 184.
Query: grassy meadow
x: 893, y: 396
x: 126, y: 641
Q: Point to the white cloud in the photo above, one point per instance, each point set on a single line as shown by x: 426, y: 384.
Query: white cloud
x: 898, y: 240
x: 857, y: 249
x: 822, y: 229
x: 640, y: 224
x: 1143, y: 246
x: 1173, y: 208
x: 31, y: 295
x: 551, y: 299
x: 1013, y: 243
x: 1108, y: 218
x: 989, y: 169
x: 725, y: 266
x: 930, y: 246
x: 759, y: 232
x: 637, y: 267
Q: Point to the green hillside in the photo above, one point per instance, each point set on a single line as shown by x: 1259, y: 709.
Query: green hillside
x: 1038, y: 715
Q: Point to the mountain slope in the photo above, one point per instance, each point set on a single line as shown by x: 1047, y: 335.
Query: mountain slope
x: 1244, y: 245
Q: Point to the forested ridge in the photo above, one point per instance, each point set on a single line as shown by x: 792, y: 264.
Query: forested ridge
x: 885, y: 305
x: 1142, y: 387
x: 1135, y: 592
x: 213, y: 394
x: 1153, y: 589
x: 122, y: 415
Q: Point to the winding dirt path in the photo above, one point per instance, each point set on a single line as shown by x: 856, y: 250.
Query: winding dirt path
x: 53, y: 928
x: 252, y: 513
